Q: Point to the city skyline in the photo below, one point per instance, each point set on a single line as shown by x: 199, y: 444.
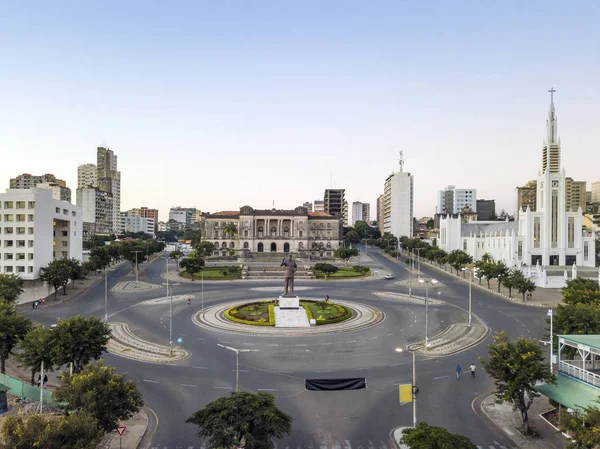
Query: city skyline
x: 298, y: 94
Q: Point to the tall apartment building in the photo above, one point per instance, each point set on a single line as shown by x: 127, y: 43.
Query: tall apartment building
x: 360, y: 211
x: 143, y: 212
x: 380, y: 213
x: 182, y: 215
x: 37, y: 229
x: 47, y: 181
x: 106, y: 180
x: 334, y: 201
x: 486, y: 210
x: 398, y: 204
x: 527, y: 196
x: 595, y: 197
x: 575, y: 195
x: 97, y: 212
x: 574, y: 190
x: 136, y: 223
x: 87, y: 176
x: 452, y: 200
x: 345, y: 213
x: 319, y: 206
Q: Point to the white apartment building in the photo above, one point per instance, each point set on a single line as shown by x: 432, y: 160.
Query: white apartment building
x: 135, y: 223
x: 596, y: 192
x: 360, y: 212
x: 183, y: 215
x: 87, y: 176
x: 58, y: 192
x: 35, y: 229
x: 452, y: 200
x: 398, y: 204
x: 97, y: 211
x: 319, y: 206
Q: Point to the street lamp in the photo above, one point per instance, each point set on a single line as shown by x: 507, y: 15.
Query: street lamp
x: 170, y: 297
x: 136, y: 265
x: 105, y: 294
x: 237, y: 362
x: 427, y: 282
x: 414, y: 386
x: 419, y: 261
x: 471, y: 271
x: 550, y: 313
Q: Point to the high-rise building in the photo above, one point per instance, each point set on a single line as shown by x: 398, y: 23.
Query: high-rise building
x: 97, y: 212
x: 345, y: 213
x: 37, y: 229
x: 334, y: 201
x: 380, y: 213
x: 486, y: 210
x: 87, y: 176
x: 527, y: 196
x: 360, y: 211
x: 136, y: 223
x: 109, y: 179
x: 319, y: 206
x: 595, y: 192
x: 48, y: 181
x: 452, y: 200
x: 398, y: 204
x: 182, y: 215
x: 308, y: 205
x: 575, y: 197
x: 143, y: 212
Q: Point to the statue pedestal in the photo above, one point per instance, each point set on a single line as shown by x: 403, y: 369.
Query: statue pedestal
x: 289, y: 302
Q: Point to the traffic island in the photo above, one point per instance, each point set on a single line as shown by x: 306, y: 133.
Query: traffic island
x: 126, y: 344
x: 455, y: 338
x: 133, y: 286
x: 410, y: 299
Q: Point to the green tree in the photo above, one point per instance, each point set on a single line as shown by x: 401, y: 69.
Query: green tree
x: 516, y: 368
x: 13, y: 327
x: 205, y: 249
x: 192, y: 264
x: 351, y: 238
x: 80, y: 340
x: 176, y: 255
x: 508, y: 281
x: 56, y: 273
x: 582, y: 427
x: 430, y: 224
x: 500, y: 273
x: 325, y: 268
x: 99, y: 257
x: 346, y: 253
x: 524, y: 285
x: 74, y: 431
x: 424, y: 436
x: 115, y: 253
x: 322, y: 305
x: 133, y: 251
x: 581, y: 290
x: 75, y: 270
x: 11, y: 286
x: 459, y: 259
x: 575, y: 319
x: 37, y: 346
x: 241, y: 417
x: 101, y: 392
x: 231, y: 229
x: 362, y: 228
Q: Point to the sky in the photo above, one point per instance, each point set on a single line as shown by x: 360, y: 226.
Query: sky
x: 219, y: 104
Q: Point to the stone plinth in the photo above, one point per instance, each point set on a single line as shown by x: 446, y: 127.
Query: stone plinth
x: 290, y: 317
x: 289, y: 302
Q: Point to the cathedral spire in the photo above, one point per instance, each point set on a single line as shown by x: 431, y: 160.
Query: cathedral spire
x: 551, y: 152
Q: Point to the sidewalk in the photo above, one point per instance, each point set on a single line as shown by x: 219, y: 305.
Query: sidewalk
x: 507, y: 420
x: 135, y: 430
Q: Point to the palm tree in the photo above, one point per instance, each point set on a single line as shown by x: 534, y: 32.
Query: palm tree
x: 231, y: 229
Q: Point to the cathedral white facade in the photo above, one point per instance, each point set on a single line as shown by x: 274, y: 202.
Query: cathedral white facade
x: 550, y: 235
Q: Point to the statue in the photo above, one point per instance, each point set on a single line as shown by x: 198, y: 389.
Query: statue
x: 290, y: 268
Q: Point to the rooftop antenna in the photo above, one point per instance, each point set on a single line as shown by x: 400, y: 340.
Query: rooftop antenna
x: 401, y: 160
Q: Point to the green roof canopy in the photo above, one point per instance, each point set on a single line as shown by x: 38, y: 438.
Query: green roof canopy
x: 592, y: 341
x: 570, y: 392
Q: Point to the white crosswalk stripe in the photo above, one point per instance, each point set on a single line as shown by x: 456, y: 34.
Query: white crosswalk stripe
x: 346, y: 444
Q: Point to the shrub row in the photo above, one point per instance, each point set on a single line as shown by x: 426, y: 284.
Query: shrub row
x: 344, y: 315
x: 230, y: 315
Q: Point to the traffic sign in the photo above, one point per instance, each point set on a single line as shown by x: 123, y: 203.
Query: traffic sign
x: 121, y: 430
x: 180, y: 340
x: 406, y: 391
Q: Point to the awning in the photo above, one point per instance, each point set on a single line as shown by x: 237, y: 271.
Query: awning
x: 570, y: 392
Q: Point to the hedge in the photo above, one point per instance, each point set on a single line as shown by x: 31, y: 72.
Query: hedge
x: 309, y: 314
x: 229, y: 315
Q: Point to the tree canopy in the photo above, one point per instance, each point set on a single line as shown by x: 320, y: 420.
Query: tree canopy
x: 13, y: 327
x: 424, y: 436
x: 241, y: 417
x: 192, y: 264
x: 80, y: 340
x: 11, y: 286
x: 57, y: 273
x: 582, y: 427
x: 581, y: 290
x: 346, y: 253
x: 516, y: 368
x: 101, y: 392
x: 37, y: 346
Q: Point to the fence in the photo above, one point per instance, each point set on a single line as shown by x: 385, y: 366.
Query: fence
x: 23, y: 390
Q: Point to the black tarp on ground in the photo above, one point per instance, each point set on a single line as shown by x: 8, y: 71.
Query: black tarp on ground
x: 354, y: 383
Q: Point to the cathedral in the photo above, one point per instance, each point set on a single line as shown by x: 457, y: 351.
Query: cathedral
x: 549, y: 235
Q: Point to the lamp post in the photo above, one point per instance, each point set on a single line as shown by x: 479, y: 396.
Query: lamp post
x: 136, y: 265
x: 419, y: 261
x: 470, y: 270
x: 550, y: 313
x: 427, y: 282
x: 237, y: 362
x: 105, y: 294
x: 202, y: 291
x: 170, y: 297
x: 414, y: 385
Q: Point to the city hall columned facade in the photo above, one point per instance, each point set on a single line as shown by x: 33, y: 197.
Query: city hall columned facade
x: 549, y: 236
x: 274, y: 231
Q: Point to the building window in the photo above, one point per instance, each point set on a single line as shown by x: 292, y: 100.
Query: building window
x: 20, y: 230
x: 57, y: 210
x: 20, y: 204
x: 8, y: 230
x: 8, y: 256
x: 73, y: 214
x: 20, y: 243
x: 246, y: 246
x: 20, y: 217
x: 224, y: 245
x: 64, y: 243
x: 65, y: 212
x: 31, y: 205
x: 65, y: 233
x: 8, y: 243
x: 554, y: 234
x: 300, y: 234
x: 260, y: 231
x: 8, y: 205
x: 8, y: 269
x: 64, y: 254
x: 536, y: 232
x: 30, y: 243
x: 30, y: 217
x: 30, y: 256
x: 519, y: 250
x: 30, y: 230
x: 20, y: 256
x: 20, y: 269
x: 586, y: 251
x: 465, y: 245
x: 8, y: 217
x: 231, y: 245
x: 30, y: 269
x: 245, y: 233
x: 571, y: 232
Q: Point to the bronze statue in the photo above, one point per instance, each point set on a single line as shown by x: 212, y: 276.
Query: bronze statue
x: 290, y: 268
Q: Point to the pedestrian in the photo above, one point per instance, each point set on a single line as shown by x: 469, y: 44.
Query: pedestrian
x: 39, y: 380
x: 326, y: 298
x: 458, y: 371
x: 189, y: 301
x: 45, y: 380
x: 473, y: 369
x: 33, y: 305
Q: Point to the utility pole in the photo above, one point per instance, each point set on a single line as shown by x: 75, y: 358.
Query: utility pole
x: 136, y: 265
x: 414, y: 390
x: 202, y: 291
x: 427, y: 282
x: 550, y: 313
x: 42, y: 388
x: 170, y: 311
x: 237, y: 362
x: 105, y: 294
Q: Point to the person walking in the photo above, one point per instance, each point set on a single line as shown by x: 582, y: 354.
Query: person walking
x: 473, y: 370
x: 45, y: 380
x: 189, y: 301
x: 33, y: 305
x: 458, y: 371
x: 326, y: 298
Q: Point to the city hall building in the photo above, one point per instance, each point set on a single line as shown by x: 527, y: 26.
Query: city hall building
x: 549, y: 235
x: 274, y: 230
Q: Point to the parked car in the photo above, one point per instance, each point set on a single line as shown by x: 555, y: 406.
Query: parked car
x: 389, y: 276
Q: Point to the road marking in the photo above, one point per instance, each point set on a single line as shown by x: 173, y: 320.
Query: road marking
x: 401, y: 330
x: 326, y: 344
x: 183, y: 335
x: 350, y: 341
x: 374, y: 338
x: 150, y: 381
x: 199, y: 367
x: 170, y: 364
x: 441, y: 377
x: 359, y: 369
x: 396, y: 364
x: 390, y: 334
x: 226, y: 342
x: 267, y: 389
x: 301, y: 345
x: 323, y: 371
x: 200, y: 338
x: 223, y: 388
x: 412, y: 325
x: 240, y: 370
x: 189, y: 385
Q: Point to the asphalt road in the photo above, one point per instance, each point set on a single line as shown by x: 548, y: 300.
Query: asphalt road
x: 349, y: 419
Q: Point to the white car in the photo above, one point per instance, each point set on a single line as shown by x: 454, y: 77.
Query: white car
x: 389, y: 276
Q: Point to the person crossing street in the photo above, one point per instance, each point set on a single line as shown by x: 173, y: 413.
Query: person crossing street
x: 473, y: 370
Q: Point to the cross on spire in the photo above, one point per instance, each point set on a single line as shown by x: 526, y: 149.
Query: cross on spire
x: 552, y: 90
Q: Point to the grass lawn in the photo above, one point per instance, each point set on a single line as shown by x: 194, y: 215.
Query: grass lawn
x: 213, y: 273
x: 316, y: 310
x: 253, y: 312
x: 344, y: 272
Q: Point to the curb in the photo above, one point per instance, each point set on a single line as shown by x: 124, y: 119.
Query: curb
x: 419, y: 346
x: 498, y: 428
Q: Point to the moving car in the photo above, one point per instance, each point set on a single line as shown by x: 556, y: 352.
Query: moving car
x: 389, y: 276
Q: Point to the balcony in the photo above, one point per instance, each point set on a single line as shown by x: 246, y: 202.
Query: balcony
x: 584, y: 375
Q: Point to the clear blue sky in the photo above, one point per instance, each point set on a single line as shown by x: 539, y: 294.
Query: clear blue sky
x: 217, y: 104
